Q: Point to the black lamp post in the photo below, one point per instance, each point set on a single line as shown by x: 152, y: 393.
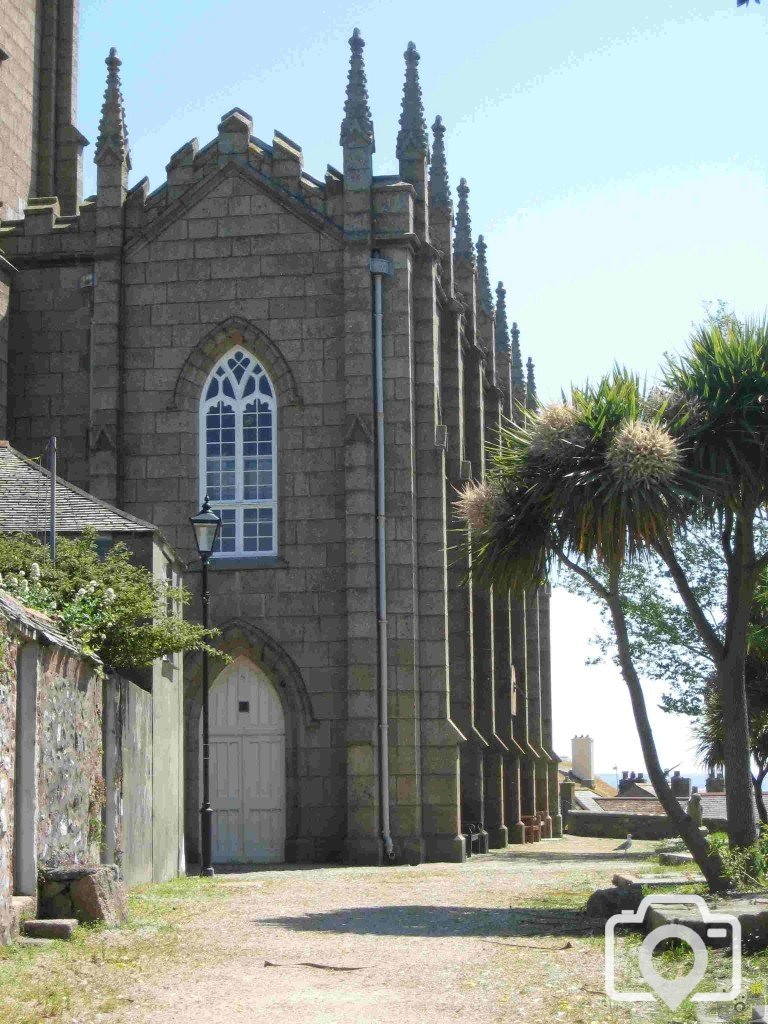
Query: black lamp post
x: 206, y: 525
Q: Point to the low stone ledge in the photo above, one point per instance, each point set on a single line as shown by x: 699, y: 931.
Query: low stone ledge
x: 657, y: 881
x: 88, y: 894
x: 51, y: 928
x: 752, y: 915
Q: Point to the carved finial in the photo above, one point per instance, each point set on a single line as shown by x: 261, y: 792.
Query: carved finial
x: 484, y: 282
x: 531, y: 401
x: 412, y: 139
x: 502, y: 328
x: 439, y: 187
x: 463, y: 248
x: 113, y: 134
x: 357, y: 125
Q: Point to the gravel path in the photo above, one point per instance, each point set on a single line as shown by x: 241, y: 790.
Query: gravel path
x: 430, y: 943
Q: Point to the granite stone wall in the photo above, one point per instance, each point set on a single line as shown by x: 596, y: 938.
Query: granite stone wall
x: 49, y: 365
x: 18, y: 107
x: 611, y: 825
x: 7, y: 757
x: 70, y: 786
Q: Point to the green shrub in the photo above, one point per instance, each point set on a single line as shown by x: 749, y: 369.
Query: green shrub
x: 745, y: 867
x: 108, y: 606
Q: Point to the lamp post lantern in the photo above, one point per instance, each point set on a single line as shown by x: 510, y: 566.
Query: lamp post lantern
x: 206, y: 525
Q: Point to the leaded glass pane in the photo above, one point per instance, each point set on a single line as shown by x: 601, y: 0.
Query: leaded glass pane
x: 238, y: 420
x: 258, y: 530
x: 227, y: 539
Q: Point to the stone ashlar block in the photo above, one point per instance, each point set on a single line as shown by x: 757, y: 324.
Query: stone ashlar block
x: 58, y: 928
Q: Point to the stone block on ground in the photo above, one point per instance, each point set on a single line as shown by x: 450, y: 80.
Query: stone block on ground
x: 605, y: 903
x: 675, y: 858
x: 624, y: 881
x: 49, y: 928
x: 22, y: 909
x: 751, y: 913
x: 89, y: 894
x: 99, y: 896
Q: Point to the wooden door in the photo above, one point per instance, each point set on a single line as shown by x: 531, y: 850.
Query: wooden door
x: 247, y: 735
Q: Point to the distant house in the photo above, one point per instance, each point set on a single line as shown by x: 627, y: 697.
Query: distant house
x: 91, y: 768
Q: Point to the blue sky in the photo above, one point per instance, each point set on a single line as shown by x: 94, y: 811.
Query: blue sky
x: 614, y: 150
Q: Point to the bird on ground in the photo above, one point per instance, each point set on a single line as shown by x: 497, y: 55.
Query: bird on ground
x: 626, y: 846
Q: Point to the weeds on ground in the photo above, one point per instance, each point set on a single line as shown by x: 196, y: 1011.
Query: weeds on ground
x: 85, y: 978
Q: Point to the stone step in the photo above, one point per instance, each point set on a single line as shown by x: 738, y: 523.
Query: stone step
x: 626, y: 881
x: 675, y: 858
x: 751, y: 914
x: 61, y: 928
x: 24, y: 941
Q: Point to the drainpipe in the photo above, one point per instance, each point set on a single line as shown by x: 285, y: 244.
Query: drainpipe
x: 380, y: 268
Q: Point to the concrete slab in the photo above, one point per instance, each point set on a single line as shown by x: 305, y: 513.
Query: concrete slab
x: 675, y: 858
x: 753, y: 917
x: 623, y: 881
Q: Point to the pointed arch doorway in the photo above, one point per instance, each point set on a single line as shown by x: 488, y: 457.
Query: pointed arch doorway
x: 247, y: 736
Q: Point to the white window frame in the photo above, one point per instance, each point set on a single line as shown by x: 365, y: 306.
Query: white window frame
x: 239, y: 504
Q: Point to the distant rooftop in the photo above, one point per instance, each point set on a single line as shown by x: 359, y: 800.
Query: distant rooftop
x: 597, y: 785
x: 25, y: 497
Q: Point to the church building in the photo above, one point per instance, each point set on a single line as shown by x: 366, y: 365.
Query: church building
x: 324, y: 358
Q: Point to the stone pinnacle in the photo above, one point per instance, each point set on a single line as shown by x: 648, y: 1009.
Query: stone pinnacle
x: 439, y: 187
x: 463, y: 248
x: 531, y: 401
x: 502, y: 328
x: 412, y: 139
x: 357, y: 125
x: 484, y: 283
x: 113, y: 134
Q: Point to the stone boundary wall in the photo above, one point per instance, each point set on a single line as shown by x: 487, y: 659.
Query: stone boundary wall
x: 7, y: 758
x: 70, y: 786
x: 51, y: 786
x: 611, y: 825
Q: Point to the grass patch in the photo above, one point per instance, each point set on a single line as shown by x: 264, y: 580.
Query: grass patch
x: 85, y: 978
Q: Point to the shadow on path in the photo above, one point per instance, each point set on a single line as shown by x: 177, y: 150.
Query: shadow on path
x: 436, y: 921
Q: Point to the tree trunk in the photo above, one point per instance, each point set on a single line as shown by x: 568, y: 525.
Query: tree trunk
x: 731, y: 682
x: 757, y: 785
x: 689, y: 831
x: 739, y: 790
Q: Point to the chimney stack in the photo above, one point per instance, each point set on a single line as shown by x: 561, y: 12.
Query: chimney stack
x: 582, y: 758
x: 681, y: 787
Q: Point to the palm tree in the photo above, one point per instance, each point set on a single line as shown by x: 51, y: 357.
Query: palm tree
x: 709, y: 725
x: 611, y: 475
x: 709, y: 732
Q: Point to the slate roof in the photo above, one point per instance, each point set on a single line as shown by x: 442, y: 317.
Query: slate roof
x: 25, y: 495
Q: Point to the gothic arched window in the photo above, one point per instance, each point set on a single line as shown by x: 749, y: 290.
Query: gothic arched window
x: 238, y: 469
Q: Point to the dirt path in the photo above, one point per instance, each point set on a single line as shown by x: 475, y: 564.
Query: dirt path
x: 428, y: 944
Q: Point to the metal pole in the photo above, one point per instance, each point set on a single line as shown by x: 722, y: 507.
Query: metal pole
x: 52, y: 468
x: 206, y: 811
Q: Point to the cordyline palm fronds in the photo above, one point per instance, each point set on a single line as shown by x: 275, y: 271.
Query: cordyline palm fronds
x: 612, y: 475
